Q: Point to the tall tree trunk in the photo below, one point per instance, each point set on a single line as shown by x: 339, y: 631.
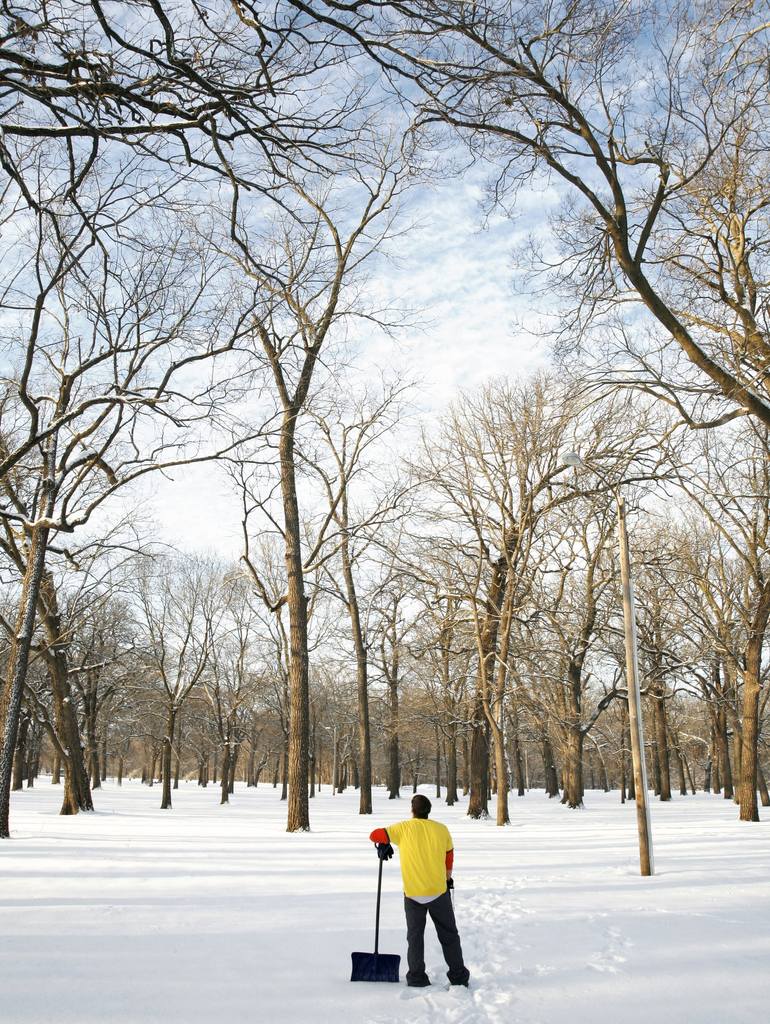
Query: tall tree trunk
x: 496, y: 717
x: 225, y: 783
x: 573, y: 766
x: 487, y: 645
x: 298, y: 816
x: 33, y: 755
x: 394, y: 759
x: 56, y: 770
x: 252, y: 766
x: 689, y: 773
x: 680, y: 766
x: 466, y: 764
x: 20, y: 757
x: 168, y: 747
x: 747, y: 789
x: 655, y: 766
x: 605, y: 776
x: 661, y: 741
x: 77, y: 792
x: 234, y: 752
x: 516, y: 759
x: 737, y: 742
x: 479, y: 763
x: 551, y: 777
x: 451, y: 765
x: 18, y: 655
x: 722, y: 744
x: 764, y: 795
x: 92, y: 753
x: 622, y: 766
x: 285, y: 774
x: 362, y: 668
x: 502, y: 783
x: 716, y: 782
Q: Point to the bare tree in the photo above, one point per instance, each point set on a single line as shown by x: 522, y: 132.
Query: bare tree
x: 666, y: 201
x: 731, y: 490
x: 179, y: 614
x: 348, y: 431
x: 105, y: 324
x: 302, y: 296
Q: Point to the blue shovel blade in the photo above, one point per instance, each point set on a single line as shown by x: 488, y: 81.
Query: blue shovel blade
x: 375, y: 966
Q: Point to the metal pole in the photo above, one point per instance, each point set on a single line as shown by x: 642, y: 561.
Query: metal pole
x: 334, y: 761
x: 636, y: 721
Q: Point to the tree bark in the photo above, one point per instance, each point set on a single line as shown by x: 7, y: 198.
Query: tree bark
x: 487, y: 645
x: 516, y: 759
x: 549, y: 768
x: 394, y: 759
x: 225, y: 781
x: 661, y: 742
x: 298, y: 817
x: 716, y: 783
x: 77, y: 792
x: 451, y: 765
x: 764, y: 795
x: 18, y: 656
x: 479, y: 763
x: 234, y: 752
x: 747, y: 790
x: 573, y: 767
x: 285, y: 774
x: 722, y: 744
x: 168, y: 747
x: 466, y: 764
x: 680, y: 766
x: 20, y: 757
x: 362, y: 669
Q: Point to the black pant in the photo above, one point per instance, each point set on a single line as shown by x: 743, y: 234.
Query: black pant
x: 443, y: 917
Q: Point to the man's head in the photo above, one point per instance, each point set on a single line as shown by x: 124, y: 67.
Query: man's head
x: 420, y: 806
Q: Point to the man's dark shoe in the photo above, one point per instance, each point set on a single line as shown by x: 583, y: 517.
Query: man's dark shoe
x: 462, y: 980
x: 418, y: 982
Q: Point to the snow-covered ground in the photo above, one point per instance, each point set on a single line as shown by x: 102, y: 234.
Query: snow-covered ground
x: 134, y: 915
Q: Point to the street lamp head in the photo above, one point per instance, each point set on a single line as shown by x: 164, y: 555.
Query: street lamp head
x: 573, y: 459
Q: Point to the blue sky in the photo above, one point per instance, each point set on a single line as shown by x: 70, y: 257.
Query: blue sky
x: 455, y: 272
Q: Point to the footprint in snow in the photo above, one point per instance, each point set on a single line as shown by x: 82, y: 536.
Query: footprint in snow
x: 611, y: 958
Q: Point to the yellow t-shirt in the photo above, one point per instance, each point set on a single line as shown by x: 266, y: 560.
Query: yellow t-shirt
x: 422, y: 848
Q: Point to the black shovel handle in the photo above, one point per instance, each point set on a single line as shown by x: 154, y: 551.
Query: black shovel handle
x: 377, y: 919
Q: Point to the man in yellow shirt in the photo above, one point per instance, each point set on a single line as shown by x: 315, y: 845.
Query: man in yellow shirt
x: 427, y: 855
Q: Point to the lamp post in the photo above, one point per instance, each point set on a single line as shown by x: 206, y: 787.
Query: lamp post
x: 636, y: 721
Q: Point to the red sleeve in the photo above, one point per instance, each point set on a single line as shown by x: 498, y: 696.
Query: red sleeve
x: 379, y: 836
x: 450, y: 859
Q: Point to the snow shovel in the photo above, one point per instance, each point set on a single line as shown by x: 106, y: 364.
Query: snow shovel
x: 376, y: 966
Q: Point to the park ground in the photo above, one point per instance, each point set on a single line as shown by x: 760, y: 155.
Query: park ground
x: 133, y: 915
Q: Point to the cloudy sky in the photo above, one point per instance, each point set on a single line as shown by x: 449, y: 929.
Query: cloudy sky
x: 458, y: 273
